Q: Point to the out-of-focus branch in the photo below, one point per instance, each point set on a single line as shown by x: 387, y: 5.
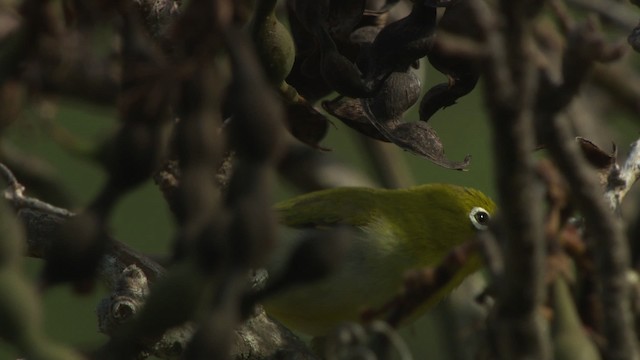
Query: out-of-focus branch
x: 158, y: 16
x: 621, y: 83
x: 621, y: 178
x: 510, y: 89
x: 614, y: 11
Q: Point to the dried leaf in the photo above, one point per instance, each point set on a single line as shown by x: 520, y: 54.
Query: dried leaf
x: 421, y: 139
x: 416, y: 137
x: 597, y: 157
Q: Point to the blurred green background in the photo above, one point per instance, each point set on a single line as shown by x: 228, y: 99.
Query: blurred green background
x: 142, y: 219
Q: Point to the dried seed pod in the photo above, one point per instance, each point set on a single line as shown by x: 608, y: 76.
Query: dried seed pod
x: 463, y: 72
x: 446, y: 94
x: 341, y: 73
x: 306, y: 123
x: 417, y: 138
x: 401, y: 43
x: 273, y: 43
x: 398, y: 92
x: 305, y: 75
x: 344, y: 16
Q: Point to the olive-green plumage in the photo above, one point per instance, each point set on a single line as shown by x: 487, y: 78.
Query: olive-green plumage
x: 394, y: 231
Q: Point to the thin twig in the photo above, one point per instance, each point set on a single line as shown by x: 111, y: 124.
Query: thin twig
x: 15, y: 195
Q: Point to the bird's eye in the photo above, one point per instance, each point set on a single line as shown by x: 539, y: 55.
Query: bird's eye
x: 479, y: 218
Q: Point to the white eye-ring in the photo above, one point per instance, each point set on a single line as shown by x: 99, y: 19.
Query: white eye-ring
x: 479, y: 218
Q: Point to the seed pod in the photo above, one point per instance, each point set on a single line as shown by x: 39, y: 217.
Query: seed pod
x: 344, y: 16
x: 274, y: 44
x: 339, y: 72
x: 463, y: 72
x: 396, y: 95
x: 401, y: 43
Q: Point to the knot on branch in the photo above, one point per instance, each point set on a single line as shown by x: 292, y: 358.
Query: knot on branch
x: 128, y: 297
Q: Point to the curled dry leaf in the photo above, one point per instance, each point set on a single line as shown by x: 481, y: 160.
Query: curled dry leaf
x: 595, y: 155
x: 421, y: 139
x: 598, y: 158
x: 415, y: 137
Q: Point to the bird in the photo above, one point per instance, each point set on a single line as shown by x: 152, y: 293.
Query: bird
x: 391, y: 231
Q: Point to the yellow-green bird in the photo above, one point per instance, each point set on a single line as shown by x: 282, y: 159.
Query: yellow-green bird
x: 394, y: 231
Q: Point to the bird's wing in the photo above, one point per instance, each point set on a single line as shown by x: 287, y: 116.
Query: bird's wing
x: 340, y: 206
